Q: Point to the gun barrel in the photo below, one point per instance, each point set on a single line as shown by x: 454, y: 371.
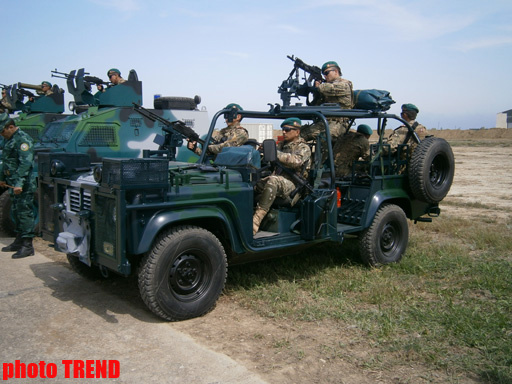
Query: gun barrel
x: 30, y: 86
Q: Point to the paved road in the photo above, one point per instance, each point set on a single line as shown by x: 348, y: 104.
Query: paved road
x: 48, y: 313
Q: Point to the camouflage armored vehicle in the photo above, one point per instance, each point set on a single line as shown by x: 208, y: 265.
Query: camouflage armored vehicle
x: 179, y: 225
x: 104, y: 124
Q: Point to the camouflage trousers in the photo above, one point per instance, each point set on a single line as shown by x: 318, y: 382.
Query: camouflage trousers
x: 338, y: 128
x: 271, y: 187
x: 22, y: 210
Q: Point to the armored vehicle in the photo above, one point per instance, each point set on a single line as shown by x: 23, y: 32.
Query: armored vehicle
x: 103, y: 125
x: 178, y: 225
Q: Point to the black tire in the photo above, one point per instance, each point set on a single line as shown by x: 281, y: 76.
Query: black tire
x: 385, y: 241
x: 184, y: 274
x: 6, y: 223
x: 431, y: 170
x: 91, y: 273
x: 180, y: 103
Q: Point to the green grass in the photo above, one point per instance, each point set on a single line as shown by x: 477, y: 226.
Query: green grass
x: 447, y: 304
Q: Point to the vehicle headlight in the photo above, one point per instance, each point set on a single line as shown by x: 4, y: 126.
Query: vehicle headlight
x: 57, y: 167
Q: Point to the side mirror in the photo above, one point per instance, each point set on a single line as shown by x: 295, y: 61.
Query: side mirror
x: 269, y: 150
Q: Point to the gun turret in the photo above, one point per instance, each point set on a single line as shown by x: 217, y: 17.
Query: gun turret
x: 292, y: 87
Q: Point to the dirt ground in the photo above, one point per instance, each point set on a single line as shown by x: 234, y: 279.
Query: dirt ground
x: 324, y: 352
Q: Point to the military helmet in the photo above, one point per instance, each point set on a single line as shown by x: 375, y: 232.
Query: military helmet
x: 331, y: 64
x: 365, y: 129
x: 233, y: 105
x: 114, y: 70
x: 410, y: 107
x: 293, y: 122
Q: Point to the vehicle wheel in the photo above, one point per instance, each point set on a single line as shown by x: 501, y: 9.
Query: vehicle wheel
x: 6, y: 223
x: 386, y: 239
x: 91, y: 273
x: 184, y: 274
x: 7, y: 226
x: 431, y: 170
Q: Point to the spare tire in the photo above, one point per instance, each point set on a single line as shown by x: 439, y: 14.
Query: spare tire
x: 431, y: 170
x: 180, y: 103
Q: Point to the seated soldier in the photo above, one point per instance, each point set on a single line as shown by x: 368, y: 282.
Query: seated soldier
x: 294, y: 153
x: 234, y: 135
x: 46, y: 90
x: 349, y: 148
x: 409, y: 113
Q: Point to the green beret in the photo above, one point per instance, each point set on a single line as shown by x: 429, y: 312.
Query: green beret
x: 293, y: 122
x: 4, y: 119
x: 410, y: 107
x: 330, y: 64
x: 47, y: 83
x: 115, y: 70
x: 363, y: 128
x: 233, y: 105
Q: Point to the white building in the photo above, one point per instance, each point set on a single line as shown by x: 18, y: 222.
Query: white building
x: 504, y: 119
x: 259, y: 132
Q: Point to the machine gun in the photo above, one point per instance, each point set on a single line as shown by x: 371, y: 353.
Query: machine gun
x: 292, y: 87
x: 178, y: 125
x: 88, y: 80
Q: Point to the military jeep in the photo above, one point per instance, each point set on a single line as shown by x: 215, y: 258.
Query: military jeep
x: 179, y: 225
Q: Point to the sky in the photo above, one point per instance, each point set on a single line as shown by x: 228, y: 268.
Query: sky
x: 450, y: 58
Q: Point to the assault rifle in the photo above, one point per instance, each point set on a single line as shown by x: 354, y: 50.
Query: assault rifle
x: 178, y: 125
x: 292, y: 87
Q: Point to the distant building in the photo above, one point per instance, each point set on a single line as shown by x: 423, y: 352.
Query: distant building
x: 259, y: 132
x: 504, y: 119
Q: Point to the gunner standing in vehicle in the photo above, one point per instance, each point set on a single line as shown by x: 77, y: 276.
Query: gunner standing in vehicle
x: 16, y: 173
x: 114, y: 76
x: 336, y: 90
x: 294, y: 153
x: 234, y: 135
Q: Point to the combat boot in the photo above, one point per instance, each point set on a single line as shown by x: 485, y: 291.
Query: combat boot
x: 27, y: 249
x: 257, y: 218
x: 15, y: 245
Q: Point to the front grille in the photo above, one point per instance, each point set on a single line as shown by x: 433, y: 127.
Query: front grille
x: 78, y: 199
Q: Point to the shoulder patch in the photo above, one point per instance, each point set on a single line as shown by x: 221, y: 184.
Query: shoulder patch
x: 24, y: 147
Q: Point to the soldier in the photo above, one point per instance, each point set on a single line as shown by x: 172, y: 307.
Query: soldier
x: 337, y: 90
x: 46, y: 90
x: 294, y: 153
x: 17, y: 175
x: 114, y: 76
x: 409, y: 113
x: 5, y: 105
x: 234, y: 135
x: 350, y: 147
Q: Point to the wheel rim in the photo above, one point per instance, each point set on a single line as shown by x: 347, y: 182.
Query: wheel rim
x: 438, y: 171
x: 189, y: 276
x: 390, y: 239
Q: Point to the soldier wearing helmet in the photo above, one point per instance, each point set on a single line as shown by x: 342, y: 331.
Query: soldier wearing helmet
x: 293, y: 153
x: 399, y: 135
x: 234, y: 135
x: 351, y: 147
x: 336, y: 90
x: 114, y: 76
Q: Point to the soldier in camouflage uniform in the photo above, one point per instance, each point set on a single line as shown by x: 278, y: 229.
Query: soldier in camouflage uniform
x: 17, y: 175
x: 114, y: 76
x: 234, y: 135
x: 5, y: 104
x: 294, y: 153
x: 351, y: 147
x: 336, y: 90
x: 46, y: 90
x: 409, y: 113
